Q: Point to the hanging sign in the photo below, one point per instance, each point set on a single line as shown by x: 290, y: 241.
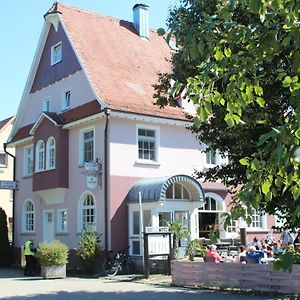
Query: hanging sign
x: 91, y: 181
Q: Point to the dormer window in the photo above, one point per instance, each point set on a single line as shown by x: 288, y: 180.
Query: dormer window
x: 66, y: 101
x: 56, y: 53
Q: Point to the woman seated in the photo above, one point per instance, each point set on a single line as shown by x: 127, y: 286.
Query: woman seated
x: 254, y: 254
x: 212, y: 252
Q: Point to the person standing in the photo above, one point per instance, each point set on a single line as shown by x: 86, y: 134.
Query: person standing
x: 29, y: 251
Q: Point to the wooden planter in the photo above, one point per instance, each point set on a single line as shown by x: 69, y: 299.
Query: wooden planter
x: 52, y: 272
x: 254, y: 277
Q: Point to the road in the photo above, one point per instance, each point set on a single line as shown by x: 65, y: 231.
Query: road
x: 19, y: 287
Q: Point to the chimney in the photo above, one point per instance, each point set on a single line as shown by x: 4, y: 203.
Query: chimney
x: 140, y: 20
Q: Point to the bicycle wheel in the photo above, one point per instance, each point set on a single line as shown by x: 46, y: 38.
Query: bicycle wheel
x: 114, y: 269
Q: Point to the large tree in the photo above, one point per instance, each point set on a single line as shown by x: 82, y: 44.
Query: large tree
x: 239, y: 62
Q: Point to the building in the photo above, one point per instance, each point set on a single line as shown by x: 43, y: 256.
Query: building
x: 6, y: 171
x: 88, y: 138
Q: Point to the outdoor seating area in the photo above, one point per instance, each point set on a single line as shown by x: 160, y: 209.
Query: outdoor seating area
x: 257, y: 277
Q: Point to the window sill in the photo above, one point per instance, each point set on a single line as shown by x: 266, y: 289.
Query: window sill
x: 27, y: 176
x: 65, y: 109
x: 147, y: 162
x: 62, y: 234
x: 257, y: 229
x: 28, y: 233
x: 39, y: 171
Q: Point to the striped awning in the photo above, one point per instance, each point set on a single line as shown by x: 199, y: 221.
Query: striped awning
x: 154, y: 189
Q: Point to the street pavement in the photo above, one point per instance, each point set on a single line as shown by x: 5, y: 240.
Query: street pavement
x: 14, y: 286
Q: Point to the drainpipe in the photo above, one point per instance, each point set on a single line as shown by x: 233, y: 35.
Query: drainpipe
x: 14, y: 191
x: 107, y: 112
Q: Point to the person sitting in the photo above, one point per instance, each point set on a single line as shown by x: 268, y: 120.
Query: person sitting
x: 212, y: 252
x: 254, y: 254
x: 256, y: 243
x: 241, y: 258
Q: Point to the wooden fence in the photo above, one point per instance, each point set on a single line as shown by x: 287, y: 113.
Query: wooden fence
x: 254, y: 277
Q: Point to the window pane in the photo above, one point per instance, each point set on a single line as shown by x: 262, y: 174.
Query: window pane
x: 165, y: 218
x: 169, y: 192
x: 177, y: 191
x: 185, y: 192
x: 146, y: 144
x: 2, y: 159
x: 135, y: 247
x: 136, y: 222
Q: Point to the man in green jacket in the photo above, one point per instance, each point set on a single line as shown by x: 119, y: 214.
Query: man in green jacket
x: 29, y: 251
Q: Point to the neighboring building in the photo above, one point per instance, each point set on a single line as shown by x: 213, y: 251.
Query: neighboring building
x: 89, y: 98
x: 6, y: 170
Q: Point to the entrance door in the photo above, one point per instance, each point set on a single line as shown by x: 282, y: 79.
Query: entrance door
x: 48, y: 226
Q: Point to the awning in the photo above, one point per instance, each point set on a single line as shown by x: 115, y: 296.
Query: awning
x: 154, y: 189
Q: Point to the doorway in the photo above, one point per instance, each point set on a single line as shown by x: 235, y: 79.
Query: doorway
x: 48, y: 224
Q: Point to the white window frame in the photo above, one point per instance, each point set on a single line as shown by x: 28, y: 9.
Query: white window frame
x: 263, y: 221
x: 47, y: 104
x: 81, y: 144
x: 65, y: 104
x: 156, y: 130
x: 27, y: 171
x: 56, y: 57
x: 182, y: 188
x: 62, y: 220
x: 5, y: 160
x: 38, y: 167
x: 81, y: 207
x: 50, y: 153
x: 25, y: 215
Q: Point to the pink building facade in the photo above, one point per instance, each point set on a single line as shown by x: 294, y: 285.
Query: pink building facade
x: 88, y: 139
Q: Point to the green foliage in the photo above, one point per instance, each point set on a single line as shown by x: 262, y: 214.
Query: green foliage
x: 179, y: 233
x: 238, y: 62
x: 214, y: 235
x: 54, y: 253
x: 89, y: 248
x: 5, y: 250
x: 195, y: 248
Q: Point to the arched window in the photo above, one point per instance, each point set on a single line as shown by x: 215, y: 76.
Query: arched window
x: 28, y: 216
x: 213, y: 204
x: 87, y: 212
x: 40, y: 156
x: 177, y: 191
x: 50, y: 154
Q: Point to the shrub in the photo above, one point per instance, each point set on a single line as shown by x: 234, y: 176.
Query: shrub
x: 195, y: 248
x: 5, y: 250
x: 89, y: 248
x: 53, y: 254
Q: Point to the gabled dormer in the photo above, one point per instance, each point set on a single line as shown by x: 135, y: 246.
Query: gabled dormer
x: 51, y: 163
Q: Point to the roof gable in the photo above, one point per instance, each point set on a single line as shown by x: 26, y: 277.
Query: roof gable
x: 68, y: 65
x: 52, y: 117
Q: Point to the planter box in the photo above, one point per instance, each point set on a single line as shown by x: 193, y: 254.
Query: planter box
x: 254, y: 277
x: 51, y: 272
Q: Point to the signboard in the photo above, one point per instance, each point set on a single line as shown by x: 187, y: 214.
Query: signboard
x: 8, y: 185
x: 91, y: 181
x: 92, y: 167
x: 160, y: 229
x: 158, y: 244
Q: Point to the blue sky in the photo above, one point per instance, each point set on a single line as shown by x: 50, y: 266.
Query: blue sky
x: 21, y: 23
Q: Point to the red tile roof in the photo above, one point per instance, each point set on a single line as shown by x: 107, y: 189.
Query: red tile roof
x: 122, y: 66
x: 69, y: 116
x: 4, y: 122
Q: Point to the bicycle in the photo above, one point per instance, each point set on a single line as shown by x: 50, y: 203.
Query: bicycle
x: 118, y: 262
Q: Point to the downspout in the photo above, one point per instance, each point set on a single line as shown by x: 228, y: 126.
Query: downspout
x: 13, y: 196
x: 107, y: 112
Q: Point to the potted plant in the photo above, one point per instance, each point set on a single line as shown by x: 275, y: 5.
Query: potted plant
x: 195, y: 248
x: 53, y: 259
x: 179, y: 233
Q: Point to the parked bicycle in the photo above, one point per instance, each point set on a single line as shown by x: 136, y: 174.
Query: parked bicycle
x: 119, y: 262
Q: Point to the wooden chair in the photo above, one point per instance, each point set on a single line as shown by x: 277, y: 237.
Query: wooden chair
x: 209, y: 259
